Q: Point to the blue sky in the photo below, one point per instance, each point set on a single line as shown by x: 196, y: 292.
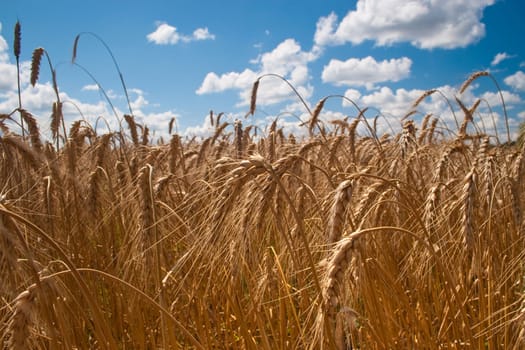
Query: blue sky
x: 182, y: 59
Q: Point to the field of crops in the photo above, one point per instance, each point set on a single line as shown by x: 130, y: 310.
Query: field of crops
x: 256, y: 239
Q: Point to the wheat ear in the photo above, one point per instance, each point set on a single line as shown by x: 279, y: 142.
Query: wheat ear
x: 424, y: 128
x: 133, y: 128
x: 467, y: 200
x: 253, y: 98
x: 315, y: 115
x: 32, y: 127
x: 337, y: 264
x: 35, y: 65
x: 422, y: 97
x: 238, y: 138
x: 469, y: 81
x: 342, y: 197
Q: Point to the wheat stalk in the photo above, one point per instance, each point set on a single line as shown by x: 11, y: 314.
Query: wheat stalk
x: 33, y: 158
x: 170, y: 125
x: 56, y: 119
x: 21, y: 320
x: 346, y: 321
x: 468, y: 118
x: 365, y: 202
x: 424, y: 129
x: 16, y: 51
x: 175, y: 152
x: 431, y: 130
x: 238, y: 138
x: 74, y: 56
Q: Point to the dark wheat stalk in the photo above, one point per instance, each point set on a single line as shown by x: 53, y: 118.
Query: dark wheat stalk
x: 170, y: 126
x: 253, y: 98
x: 16, y: 50
x: 315, y: 116
x: 75, y: 46
x: 32, y: 127
x: 475, y: 76
x: 238, y: 138
x: 57, y: 116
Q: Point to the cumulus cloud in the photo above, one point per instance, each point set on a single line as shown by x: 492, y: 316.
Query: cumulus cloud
x: 166, y: 34
x: 38, y: 100
x: 425, y: 24
x: 203, y: 34
x: 366, y: 71
x: 4, y: 57
x: 396, y: 103
x: 232, y: 80
x: 393, y: 105
x: 287, y: 60
x: 8, y: 70
x: 7, y: 76
x: 499, y: 58
x: 494, y: 98
x: 90, y: 87
x: 516, y: 81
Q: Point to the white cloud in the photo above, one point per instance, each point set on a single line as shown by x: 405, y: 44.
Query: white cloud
x: 4, y: 56
x: 166, y: 34
x: 38, y: 100
x: 395, y: 104
x: 390, y: 102
x: 352, y: 94
x: 366, y: 71
x: 494, y: 98
x: 499, y: 58
x: 287, y: 60
x: 90, y: 87
x: 157, y: 122
x: 232, y: 80
x: 140, y: 101
x: 324, y: 33
x: 516, y: 81
x: 423, y: 23
x: 203, y: 34
x: 205, y: 129
x: 7, y: 76
x: 7, y: 70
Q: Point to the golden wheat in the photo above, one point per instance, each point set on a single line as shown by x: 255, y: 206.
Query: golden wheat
x: 251, y: 238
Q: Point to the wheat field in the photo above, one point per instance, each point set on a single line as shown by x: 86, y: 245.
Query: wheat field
x: 255, y: 239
